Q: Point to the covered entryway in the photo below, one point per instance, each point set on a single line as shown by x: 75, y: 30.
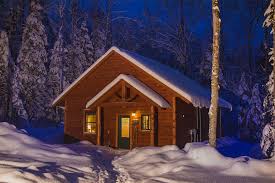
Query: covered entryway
x: 124, y: 132
x: 127, y: 113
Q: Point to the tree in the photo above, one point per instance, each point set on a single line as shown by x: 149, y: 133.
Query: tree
x: 75, y: 57
x: 205, y: 69
x: 254, y: 118
x: 31, y: 64
x: 56, y: 79
x: 213, y: 110
x: 268, y: 139
x: 87, y: 45
x: 100, y: 32
x: 4, y: 76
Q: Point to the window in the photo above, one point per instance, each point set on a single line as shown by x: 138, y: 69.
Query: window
x: 145, y: 122
x: 90, y: 123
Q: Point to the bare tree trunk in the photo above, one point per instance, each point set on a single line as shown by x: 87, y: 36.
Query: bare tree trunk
x: 213, y: 111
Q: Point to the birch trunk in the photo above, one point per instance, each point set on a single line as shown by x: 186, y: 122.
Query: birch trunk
x: 213, y: 111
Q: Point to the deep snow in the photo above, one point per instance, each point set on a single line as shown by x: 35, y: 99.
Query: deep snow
x: 197, y: 162
x: 26, y: 159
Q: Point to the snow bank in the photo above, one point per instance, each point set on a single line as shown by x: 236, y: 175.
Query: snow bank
x: 17, y: 142
x: 169, y: 164
x: 25, y: 159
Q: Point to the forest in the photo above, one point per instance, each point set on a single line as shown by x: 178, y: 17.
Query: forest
x: 46, y: 44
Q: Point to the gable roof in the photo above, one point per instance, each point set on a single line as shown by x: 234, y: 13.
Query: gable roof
x: 134, y: 82
x: 184, y: 86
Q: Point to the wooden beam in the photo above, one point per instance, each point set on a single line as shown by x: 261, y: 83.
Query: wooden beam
x: 174, y: 125
x: 123, y: 91
x: 152, y: 118
x: 98, y: 114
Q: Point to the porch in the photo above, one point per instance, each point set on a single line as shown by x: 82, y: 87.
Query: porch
x: 124, y: 115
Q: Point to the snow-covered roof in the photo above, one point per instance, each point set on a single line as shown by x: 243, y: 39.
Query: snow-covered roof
x: 134, y: 82
x: 184, y: 86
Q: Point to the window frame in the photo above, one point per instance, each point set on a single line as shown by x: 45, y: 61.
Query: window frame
x: 85, y: 122
x: 141, y: 123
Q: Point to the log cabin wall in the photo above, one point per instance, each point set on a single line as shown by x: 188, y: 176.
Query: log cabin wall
x: 185, y: 121
x: 97, y: 79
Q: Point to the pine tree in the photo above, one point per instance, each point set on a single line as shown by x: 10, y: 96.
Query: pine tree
x: 75, y: 57
x: 31, y: 64
x: 99, y: 33
x: 99, y: 37
x: 4, y: 75
x: 243, y: 92
x: 268, y: 138
x: 270, y: 22
x: 17, y: 101
x: 87, y: 45
x: 56, y: 78
x: 254, y: 118
x: 213, y: 111
x: 205, y: 69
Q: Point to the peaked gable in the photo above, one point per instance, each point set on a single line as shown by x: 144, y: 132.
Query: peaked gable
x: 184, y: 86
x: 145, y: 90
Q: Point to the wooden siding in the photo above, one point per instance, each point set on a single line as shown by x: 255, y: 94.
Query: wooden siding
x: 185, y: 121
x: 97, y: 79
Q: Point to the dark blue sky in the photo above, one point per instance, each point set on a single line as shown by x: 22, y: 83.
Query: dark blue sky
x: 235, y: 16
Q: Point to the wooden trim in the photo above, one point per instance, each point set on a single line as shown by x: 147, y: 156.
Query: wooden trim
x: 98, y: 132
x: 123, y: 90
x: 116, y: 135
x: 65, y: 116
x: 174, y: 125
x: 152, y: 123
x: 131, y: 131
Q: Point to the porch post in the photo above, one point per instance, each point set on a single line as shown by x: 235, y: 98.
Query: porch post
x: 98, y: 125
x: 174, y: 122
x: 152, y: 137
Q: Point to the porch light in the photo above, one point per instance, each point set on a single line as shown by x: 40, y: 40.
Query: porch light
x: 133, y: 114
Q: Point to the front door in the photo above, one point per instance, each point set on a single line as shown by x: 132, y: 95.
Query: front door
x: 124, y: 132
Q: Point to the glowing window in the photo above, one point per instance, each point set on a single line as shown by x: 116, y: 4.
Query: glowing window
x: 90, y: 123
x: 125, y: 127
x: 145, y: 122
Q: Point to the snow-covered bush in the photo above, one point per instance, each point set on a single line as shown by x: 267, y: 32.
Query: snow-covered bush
x: 268, y: 141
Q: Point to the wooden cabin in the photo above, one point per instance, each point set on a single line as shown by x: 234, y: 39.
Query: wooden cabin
x: 125, y: 100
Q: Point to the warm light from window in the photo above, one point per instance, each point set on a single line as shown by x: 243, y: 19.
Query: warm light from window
x: 90, y: 123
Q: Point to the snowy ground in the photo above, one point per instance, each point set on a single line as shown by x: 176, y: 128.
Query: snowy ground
x: 26, y: 159
x: 198, y: 162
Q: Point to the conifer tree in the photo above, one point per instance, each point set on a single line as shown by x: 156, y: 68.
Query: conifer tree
x: 87, y: 45
x: 31, y: 65
x: 4, y: 75
x: 268, y: 137
x: 75, y: 57
x: 254, y: 118
x: 56, y: 78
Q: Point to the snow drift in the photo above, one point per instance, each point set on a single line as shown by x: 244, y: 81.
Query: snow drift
x: 170, y: 164
x: 25, y: 159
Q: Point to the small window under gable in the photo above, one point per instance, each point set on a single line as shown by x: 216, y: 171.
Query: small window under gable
x: 90, y: 123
